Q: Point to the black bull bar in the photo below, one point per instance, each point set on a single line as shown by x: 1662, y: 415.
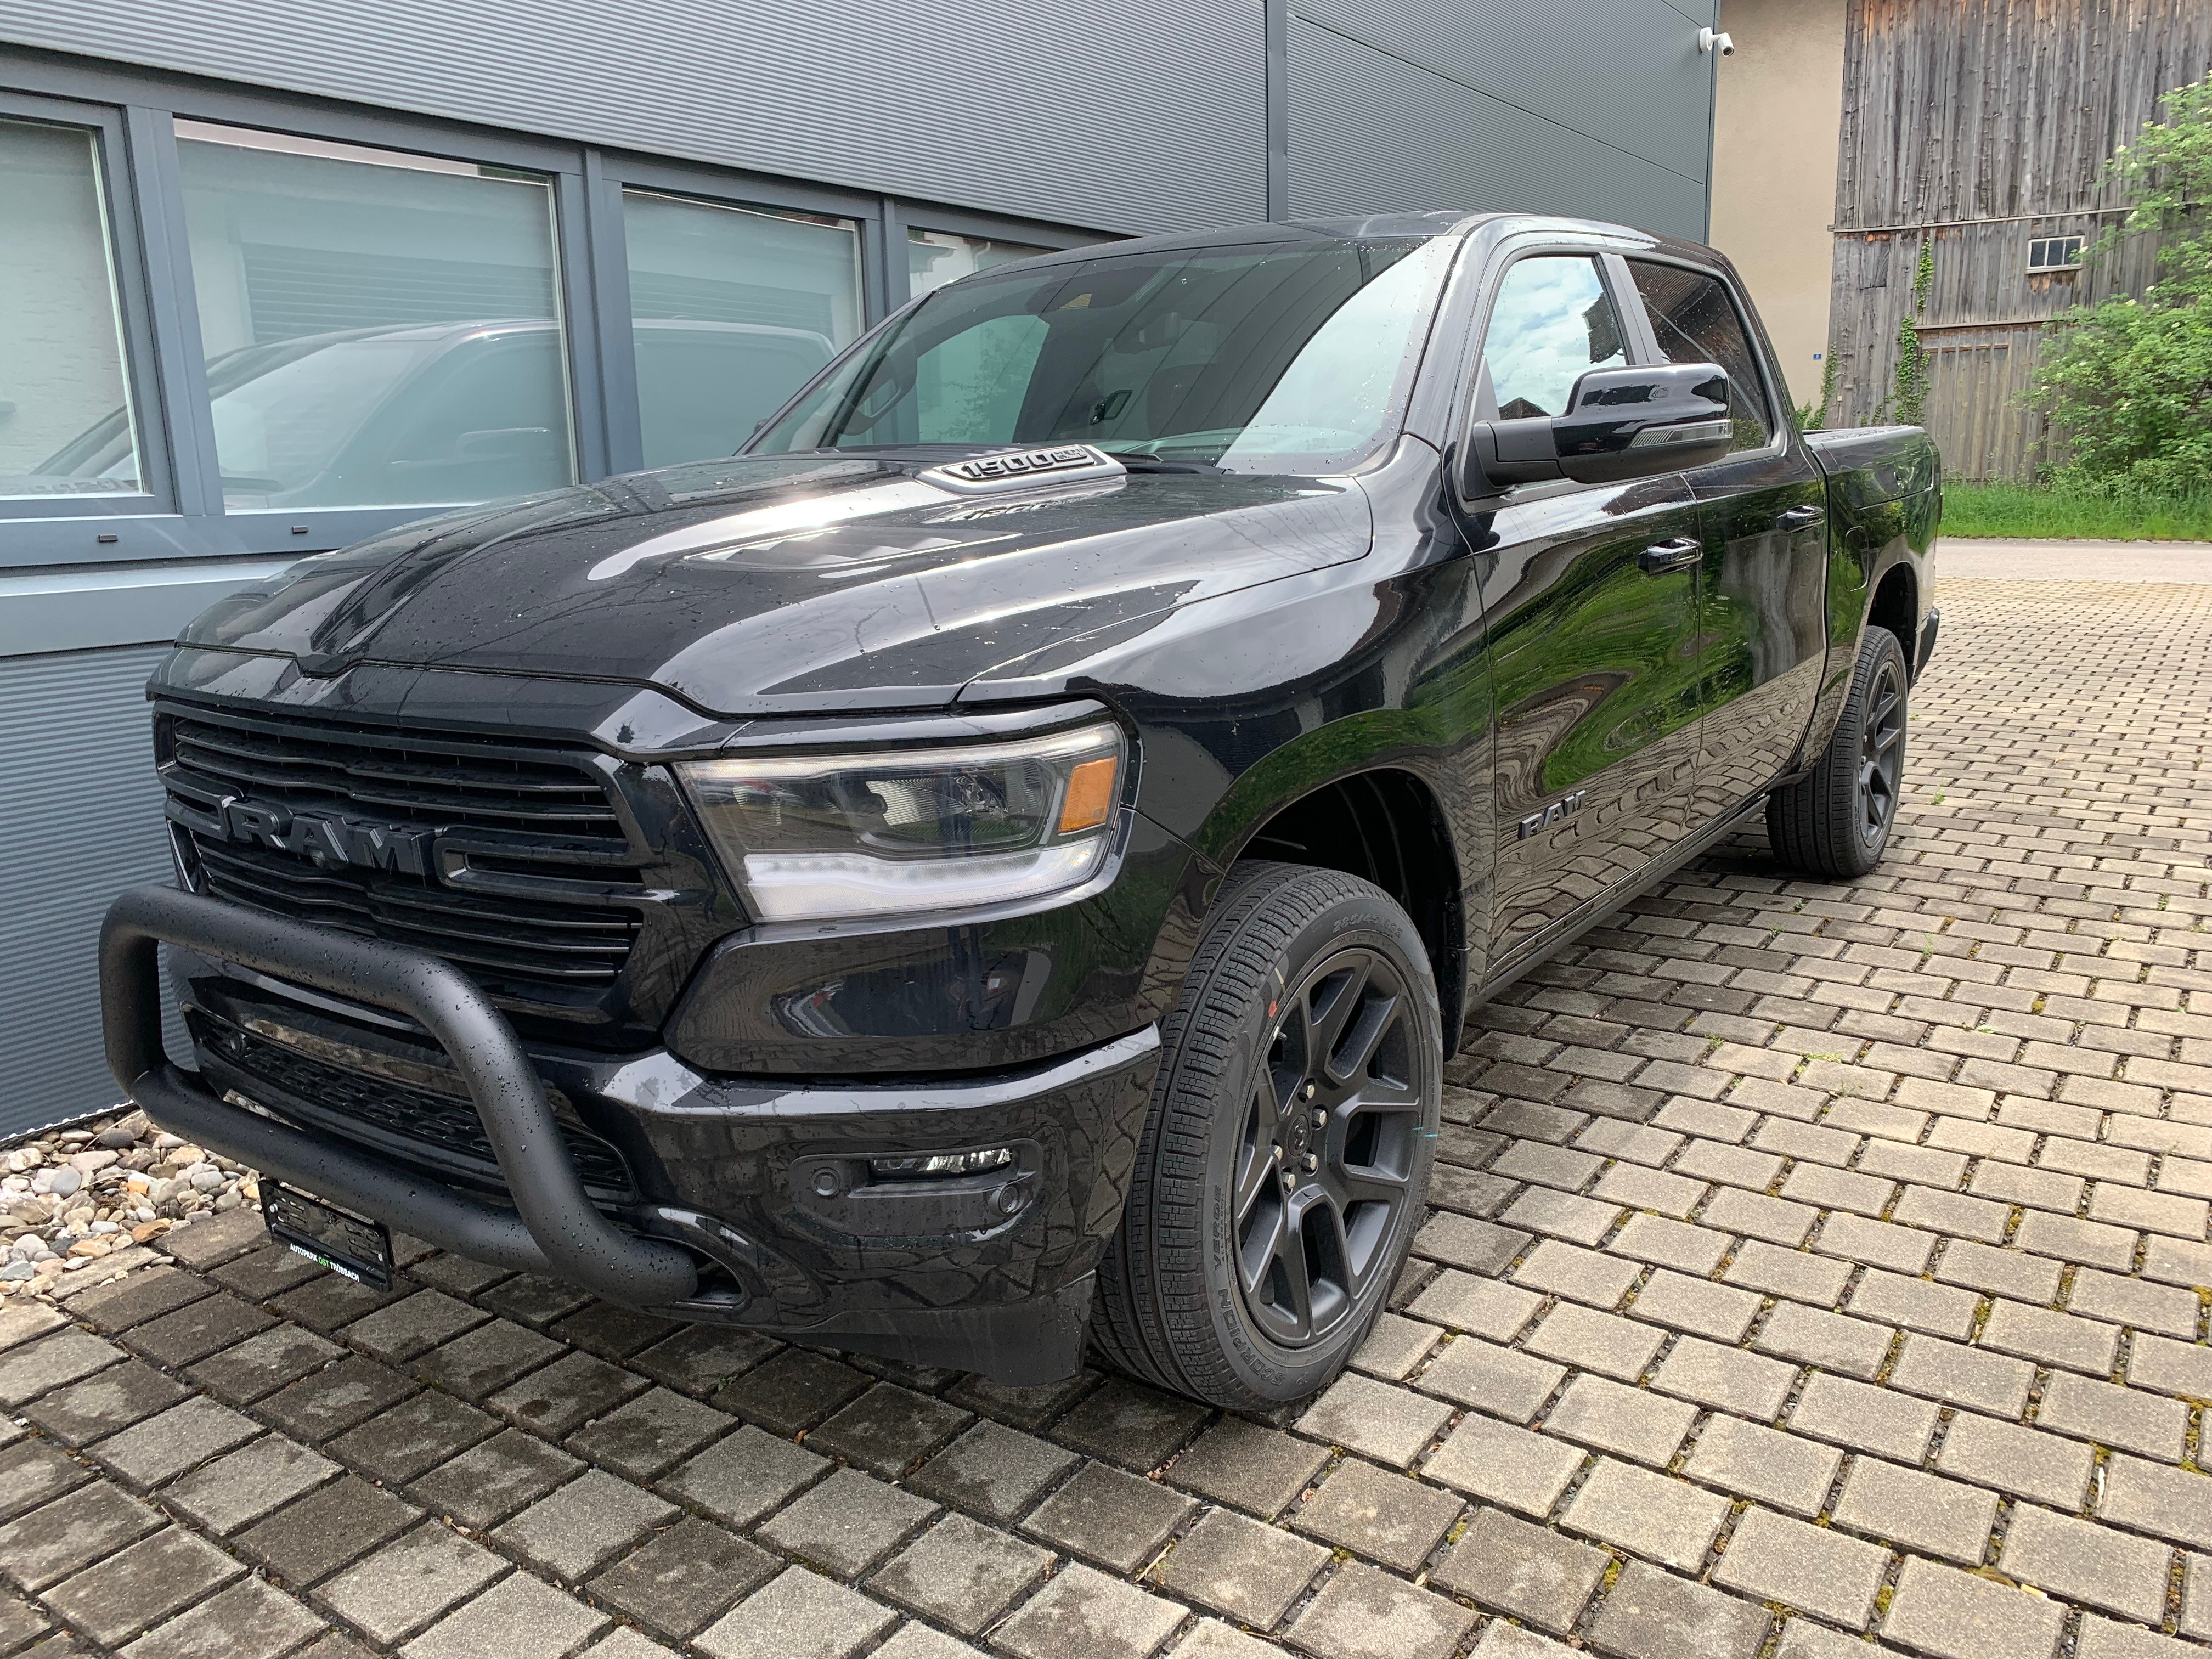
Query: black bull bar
x: 553, y: 1229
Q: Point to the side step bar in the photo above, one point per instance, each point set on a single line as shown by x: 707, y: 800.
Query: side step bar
x: 553, y: 1229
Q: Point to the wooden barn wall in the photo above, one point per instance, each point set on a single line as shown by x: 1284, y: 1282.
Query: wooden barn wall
x: 1979, y: 125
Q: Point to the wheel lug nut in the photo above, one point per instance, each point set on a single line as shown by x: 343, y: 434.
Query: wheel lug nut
x: 1290, y: 1181
x: 1313, y: 1162
x: 1312, y: 1088
x: 1278, y: 1152
x: 1321, y: 1120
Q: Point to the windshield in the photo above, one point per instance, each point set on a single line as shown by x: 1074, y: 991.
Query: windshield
x: 1267, y: 359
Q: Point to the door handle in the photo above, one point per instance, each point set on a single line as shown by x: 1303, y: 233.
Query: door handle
x: 1679, y: 554
x: 1801, y: 518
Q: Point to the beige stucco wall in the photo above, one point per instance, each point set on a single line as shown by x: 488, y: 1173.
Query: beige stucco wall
x: 1776, y: 121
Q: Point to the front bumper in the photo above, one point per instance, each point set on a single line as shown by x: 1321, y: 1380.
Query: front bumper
x: 636, y: 1177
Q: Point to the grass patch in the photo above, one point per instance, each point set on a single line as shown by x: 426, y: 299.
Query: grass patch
x: 2036, y: 512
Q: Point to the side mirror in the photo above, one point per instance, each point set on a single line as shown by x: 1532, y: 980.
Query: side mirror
x: 1620, y: 424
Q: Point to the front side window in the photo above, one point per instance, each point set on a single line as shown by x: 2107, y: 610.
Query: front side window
x: 1697, y: 323
x: 1551, y: 323
x: 381, y: 329
x: 732, y: 309
x: 1281, y: 359
x: 65, y: 418
x: 934, y: 257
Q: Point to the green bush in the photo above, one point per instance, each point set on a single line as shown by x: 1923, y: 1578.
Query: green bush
x: 2126, y: 386
x: 1812, y: 417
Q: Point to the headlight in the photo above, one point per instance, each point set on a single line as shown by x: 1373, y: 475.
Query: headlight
x: 817, y: 836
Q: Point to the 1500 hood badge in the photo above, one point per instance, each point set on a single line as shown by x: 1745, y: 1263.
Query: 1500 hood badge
x: 1021, y: 469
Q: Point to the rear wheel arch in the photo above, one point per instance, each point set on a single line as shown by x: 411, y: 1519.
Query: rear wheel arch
x: 1896, y: 606
x: 1836, y: 822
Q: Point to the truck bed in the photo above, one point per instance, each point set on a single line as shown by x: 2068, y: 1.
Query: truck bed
x: 1869, y: 465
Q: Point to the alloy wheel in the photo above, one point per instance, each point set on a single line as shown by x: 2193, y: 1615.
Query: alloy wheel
x: 1324, y: 1166
x: 1881, y: 751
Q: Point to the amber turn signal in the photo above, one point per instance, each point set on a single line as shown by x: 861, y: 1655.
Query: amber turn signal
x: 1090, y: 795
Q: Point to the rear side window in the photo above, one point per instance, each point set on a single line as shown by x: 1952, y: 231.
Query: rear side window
x: 1551, y: 325
x: 1698, y: 322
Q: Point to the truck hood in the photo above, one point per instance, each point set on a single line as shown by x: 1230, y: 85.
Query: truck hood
x: 789, y: 583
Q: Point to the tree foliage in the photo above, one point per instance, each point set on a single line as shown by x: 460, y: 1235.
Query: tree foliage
x: 1812, y: 417
x: 2126, y: 386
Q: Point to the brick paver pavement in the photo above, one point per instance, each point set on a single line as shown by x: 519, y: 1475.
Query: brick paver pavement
x: 1809, y: 1262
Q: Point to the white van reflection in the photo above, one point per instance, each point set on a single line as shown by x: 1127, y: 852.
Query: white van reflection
x: 437, y: 414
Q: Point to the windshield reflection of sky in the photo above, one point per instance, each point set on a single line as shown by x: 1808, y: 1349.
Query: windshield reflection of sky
x: 1339, y: 385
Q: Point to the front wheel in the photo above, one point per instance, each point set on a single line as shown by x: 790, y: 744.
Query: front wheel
x: 1836, y: 822
x: 1284, y: 1162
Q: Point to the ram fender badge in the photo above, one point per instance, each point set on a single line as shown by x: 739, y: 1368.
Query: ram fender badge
x: 1565, y: 807
x: 1024, y: 469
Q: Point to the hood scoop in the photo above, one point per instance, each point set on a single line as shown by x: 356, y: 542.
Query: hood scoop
x: 1025, y: 469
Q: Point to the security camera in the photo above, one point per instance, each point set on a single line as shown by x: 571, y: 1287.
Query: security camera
x: 1708, y: 40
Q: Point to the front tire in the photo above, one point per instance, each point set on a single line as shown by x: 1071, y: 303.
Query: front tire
x: 1836, y: 822
x: 1284, y: 1162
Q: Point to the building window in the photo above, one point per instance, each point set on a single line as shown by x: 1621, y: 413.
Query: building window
x: 66, y: 425
x: 2047, y: 254
x: 934, y: 257
x: 732, y: 309
x: 381, y: 329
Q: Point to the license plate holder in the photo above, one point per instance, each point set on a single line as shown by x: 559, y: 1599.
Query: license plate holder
x: 359, y: 1248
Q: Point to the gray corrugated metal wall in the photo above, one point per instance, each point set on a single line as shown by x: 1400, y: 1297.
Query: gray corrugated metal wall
x: 1549, y: 105
x: 1147, y: 115
x: 1150, y: 117
x: 80, y: 820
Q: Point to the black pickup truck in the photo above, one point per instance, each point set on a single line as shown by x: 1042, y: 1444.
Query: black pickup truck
x: 1000, y: 863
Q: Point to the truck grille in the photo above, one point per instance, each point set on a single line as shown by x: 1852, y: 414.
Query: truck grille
x: 529, y: 817
x: 498, y: 938
x: 439, y: 782
x: 443, y: 1121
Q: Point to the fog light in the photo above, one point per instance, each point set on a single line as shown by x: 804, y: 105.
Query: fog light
x: 923, y: 1165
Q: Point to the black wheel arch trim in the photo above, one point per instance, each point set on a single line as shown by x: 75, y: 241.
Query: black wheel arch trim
x: 1930, y: 625
x: 1345, y: 752
x: 1903, y: 532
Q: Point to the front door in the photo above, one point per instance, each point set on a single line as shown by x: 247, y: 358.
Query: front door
x: 1762, y: 520
x: 1591, y: 602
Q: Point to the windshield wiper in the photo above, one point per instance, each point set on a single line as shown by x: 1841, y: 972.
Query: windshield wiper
x: 1138, y: 460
